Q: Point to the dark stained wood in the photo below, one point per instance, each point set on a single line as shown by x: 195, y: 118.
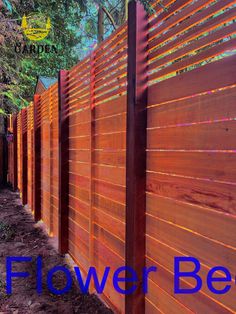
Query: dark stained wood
x: 15, y: 169
x: 63, y: 165
x: 91, y: 160
x: 37, y: 162
x: 136, y: 151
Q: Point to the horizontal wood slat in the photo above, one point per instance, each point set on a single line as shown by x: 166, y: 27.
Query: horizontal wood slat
x: 204, y: 136
x: 188, y: 33
x: 210, y: 165
x: 215, y: 196
x: 212, y: 76
x: 192, y: 217
x: 197, y: 108
x: 195, y: 46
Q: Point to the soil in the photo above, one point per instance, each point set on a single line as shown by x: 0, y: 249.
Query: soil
x: 20, y: 236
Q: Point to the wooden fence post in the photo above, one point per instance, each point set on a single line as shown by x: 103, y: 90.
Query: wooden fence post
x: 32, y: 157
x: 92, y: 126
x: 4, y: 154
x: 63, y: 223
x: 24, y: 157
x: 15, y: 170
x: 19, y: 144
x: 136, y: 152
x: 51, y: 162
x: 37, y: 160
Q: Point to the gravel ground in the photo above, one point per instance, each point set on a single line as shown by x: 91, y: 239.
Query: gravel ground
x: 20, y: 236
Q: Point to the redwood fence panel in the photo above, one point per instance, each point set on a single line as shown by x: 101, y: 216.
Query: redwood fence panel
x: 37, y: 159
x: 19, y: 153
x: 77, y: 116
x: 108, y: 148
x: 133, y: 153
x: 45, y: 158
x: 24, y: 155
x: 14, y: 163
x: 30, y: 130
x: 190, y: 204
x: 54, y: 160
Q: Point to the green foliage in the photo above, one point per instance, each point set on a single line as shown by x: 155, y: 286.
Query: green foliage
x: 18, y: 72
x: 2, y: 112
x: 73, y: 30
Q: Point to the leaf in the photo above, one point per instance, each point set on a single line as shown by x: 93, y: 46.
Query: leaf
x: 2, y: 112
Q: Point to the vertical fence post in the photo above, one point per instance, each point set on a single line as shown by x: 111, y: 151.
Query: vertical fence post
x: 21, y: 154
x: 19, y: 151
x: 15, y: 170
x: 37, y: 160
x: 92, y: 126
x: 24, y: 157
x: 32, y: 156
x: 51, y: 161
x: 136, y: 151
x: 5, y: 155
x: 63, y: 232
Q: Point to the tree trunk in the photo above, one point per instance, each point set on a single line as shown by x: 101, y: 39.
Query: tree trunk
x: 100, y: 24
x: 125, y: 5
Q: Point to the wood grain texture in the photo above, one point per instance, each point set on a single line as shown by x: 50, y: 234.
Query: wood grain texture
x: 164, y: 278
x: 197, y: 302
x: 164, y: 301
x: 207, y: 107
x: 211, y: 195
x: 212, y: 76
x: 217, y: 166
x: 205, y: 136
x: 193, y: 217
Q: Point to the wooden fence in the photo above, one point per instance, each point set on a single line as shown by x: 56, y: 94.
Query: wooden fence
x: 130, y: 158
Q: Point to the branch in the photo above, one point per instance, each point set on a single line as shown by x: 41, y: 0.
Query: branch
x: 109, y: 17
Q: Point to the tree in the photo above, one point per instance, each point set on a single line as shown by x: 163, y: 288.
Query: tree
x: 76, y: 26
x: 18, y: 72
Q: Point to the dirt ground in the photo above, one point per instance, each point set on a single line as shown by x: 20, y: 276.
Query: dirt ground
x: 20, y: 236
